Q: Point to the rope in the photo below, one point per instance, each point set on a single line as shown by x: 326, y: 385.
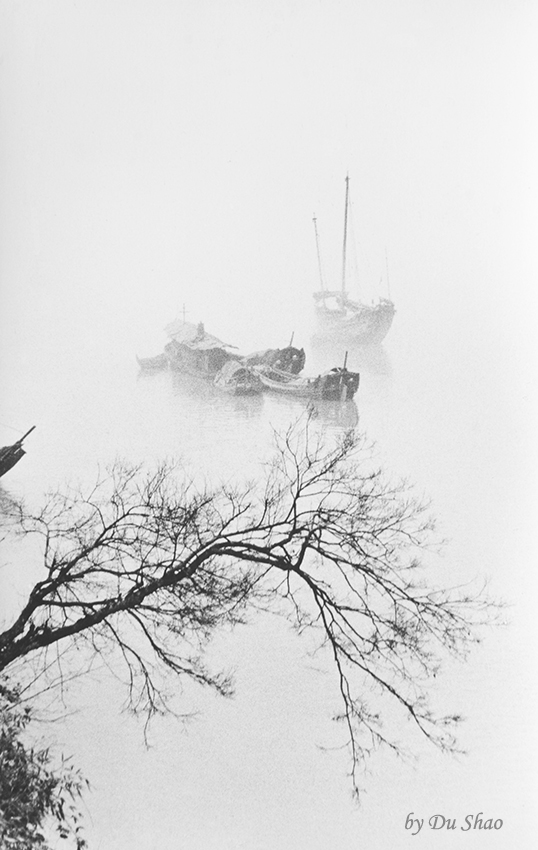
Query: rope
x: 354, y: 250
x: 11, y: 428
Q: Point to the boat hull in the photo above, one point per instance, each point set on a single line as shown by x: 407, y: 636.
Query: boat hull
x: 153, y: 364
x: 205, y: 363
x: 336, y: 385
x: 355, y: 323
x: 238, y: 379
x: 10, y: 455
x: 287, y: 359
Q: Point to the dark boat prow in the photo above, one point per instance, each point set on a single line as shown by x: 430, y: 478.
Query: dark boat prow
x: 287, y: 359
x: 10, y: 455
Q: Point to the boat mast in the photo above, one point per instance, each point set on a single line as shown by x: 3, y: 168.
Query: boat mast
x: 345, y: 239
x: 25, y: 435
x: 322, y: 283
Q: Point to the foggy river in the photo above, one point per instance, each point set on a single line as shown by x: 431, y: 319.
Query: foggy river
x: 248, y: 772
x: 115, y: 223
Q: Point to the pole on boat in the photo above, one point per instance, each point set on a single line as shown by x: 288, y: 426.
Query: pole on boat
x: 345, y: 238
x: 345, y: 361
x: 291, y: 340
x: 25, y: 435
x: 322, y: 283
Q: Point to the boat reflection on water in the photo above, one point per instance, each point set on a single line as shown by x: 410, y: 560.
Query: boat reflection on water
x: 341, y: 415
x: 213, y: 403
x: 207, y: 394
x: 330, y: 414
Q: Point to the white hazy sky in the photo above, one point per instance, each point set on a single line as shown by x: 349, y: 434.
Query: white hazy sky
x: 155, y: 147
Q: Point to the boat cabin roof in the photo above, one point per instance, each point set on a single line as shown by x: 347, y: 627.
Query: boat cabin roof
x: 194, y: 336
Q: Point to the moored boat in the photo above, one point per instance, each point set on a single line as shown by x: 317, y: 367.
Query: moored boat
x: 10, y: 455
x: 287, y: 359
x: 337, y: 314
x: 353, y: 322
x: 237, y: 378
x: 338, y: 384
x: 193, y: 351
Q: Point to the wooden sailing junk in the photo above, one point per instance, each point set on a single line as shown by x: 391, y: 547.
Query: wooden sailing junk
x: 340, y: 317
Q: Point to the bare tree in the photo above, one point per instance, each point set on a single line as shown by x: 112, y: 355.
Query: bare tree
x: 148, y: 566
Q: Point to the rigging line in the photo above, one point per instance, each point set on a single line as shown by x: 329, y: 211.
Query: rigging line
x: 354, y: 247
x: 11, y: 428
x: 344, y: 247
x: 321, y: 278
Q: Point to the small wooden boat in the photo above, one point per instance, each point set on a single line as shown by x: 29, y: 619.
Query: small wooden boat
x: 287, y: 359
x: 338, y: 384
x: 237, y: 378
x: 10, y: 455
